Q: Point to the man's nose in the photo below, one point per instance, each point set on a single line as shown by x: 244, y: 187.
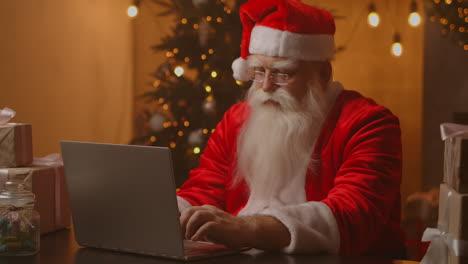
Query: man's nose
x: 268, y: 84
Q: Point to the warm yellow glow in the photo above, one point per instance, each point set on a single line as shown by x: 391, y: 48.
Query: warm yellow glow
x: 397, y: 49
x: 161, y: 100
x: 153, y: 139
x: 165, y: 106
x: 208, y: 89
x: 196, y: 150
x: 175, y: 50
x: 186, y: 123
x: 210, y: 51
x: 172, y: 144
x: 214, y: 74
x: 186, y: 59
x: 452, y: 26
x: 239, y: 82
x: 209, y: 98
x: 465, y: 47
x: 444, y: 21
x: 178, y: 71
x: 448, y: 2
x: 461, y: 29
x: 195, y: 26
x: 414, y: 19
x: 175, y: 123
x: 132, y: 11
x: 436, y: 1
x: 219, y: 20
x: 169, y: 54
x: 373, y: 19
x: 203, y: 57
x: 156, y: 83
x: 180, y: 133
x: 212, y: 130
x: 208, y: 18
x: 205, y: 131
x: 166, y: 124
x: 183, y: 21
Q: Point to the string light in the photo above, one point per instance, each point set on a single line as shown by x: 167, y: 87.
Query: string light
x: 153, y: 139
x: 205, y: 131
x: 196, y: 150
x: 448, y: 2
x: 219, y: 20
x: 175, y: 50
x: 161, y: 100
x: 178, y: 71
x: 214, y: 74
x: 208, y: 89
x: 186, y: 59
x: 156, y: 83
x: 172, y: 144
x: 166, y: 107
x: 373, y: 18
x: 203, y: 57
x: 210, y: 51
x: 186, y: 123
x: 414, y: 19
x: 208, y: 18
x: 183, y: 21
x: 397, y: 48
x: 180, y: 133
x: 195, y: 26
x: 132, y: 11
x: 239, y: 82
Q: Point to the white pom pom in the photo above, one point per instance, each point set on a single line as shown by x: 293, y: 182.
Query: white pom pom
x: 240, y: 68
x: 156, y: 123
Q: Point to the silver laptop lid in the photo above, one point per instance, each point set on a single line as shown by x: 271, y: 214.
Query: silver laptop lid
x: 123, y: 197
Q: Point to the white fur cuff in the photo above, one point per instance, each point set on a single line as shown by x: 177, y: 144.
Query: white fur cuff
x: 182, y: 204
x: 312, y: 226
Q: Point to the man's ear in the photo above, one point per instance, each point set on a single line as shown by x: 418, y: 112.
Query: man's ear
x: 325, y: 73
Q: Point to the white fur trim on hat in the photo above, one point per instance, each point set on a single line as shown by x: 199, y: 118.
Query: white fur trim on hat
x: 240, y: 68
x: 273, y: 42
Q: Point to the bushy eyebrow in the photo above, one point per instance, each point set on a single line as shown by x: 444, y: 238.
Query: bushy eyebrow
x: 283, y: 65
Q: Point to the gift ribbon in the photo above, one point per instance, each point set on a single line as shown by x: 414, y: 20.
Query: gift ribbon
x: 441, y: 241
x: 54, y: 160
x: 451, y: 130
x: 6, y: 114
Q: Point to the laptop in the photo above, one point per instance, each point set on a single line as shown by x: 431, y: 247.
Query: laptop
x: 123, y: 198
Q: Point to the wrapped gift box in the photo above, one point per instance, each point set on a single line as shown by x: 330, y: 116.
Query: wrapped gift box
x: 15, y: 145
x: 48, y: 184
x: 456, y: 156
x: 456, y: 164
x: 453, y: 219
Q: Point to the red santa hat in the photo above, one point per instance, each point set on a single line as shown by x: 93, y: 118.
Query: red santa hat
x: 284, y: 28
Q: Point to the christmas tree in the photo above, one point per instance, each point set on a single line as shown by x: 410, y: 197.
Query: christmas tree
x: 194, y: 86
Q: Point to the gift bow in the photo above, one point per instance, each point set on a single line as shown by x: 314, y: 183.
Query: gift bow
x: 450, y: 130
x: 6, y: 114
x: 441, y: 241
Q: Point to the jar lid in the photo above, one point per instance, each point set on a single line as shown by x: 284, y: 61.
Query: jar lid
x: 14, y: 194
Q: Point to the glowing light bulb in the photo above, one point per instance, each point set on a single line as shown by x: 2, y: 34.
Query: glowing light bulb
x: 196, y: 150
x: 132, y: 11
x: 208, y: 88
x: 214, y: 74
x: 397, y: 49
x: 373, y: 19
x: 414, y: 19
x: 178, y: 71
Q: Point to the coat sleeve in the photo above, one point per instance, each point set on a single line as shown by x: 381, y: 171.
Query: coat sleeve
x: 207, y: 183
x: 366, y: 190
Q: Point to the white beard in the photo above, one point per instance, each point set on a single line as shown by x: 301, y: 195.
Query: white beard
x: 276, y: 143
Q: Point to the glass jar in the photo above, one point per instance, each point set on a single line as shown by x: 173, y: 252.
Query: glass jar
x: 19, y: 222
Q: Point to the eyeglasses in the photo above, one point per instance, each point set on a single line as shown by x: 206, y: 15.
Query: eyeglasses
x: 277, y: 78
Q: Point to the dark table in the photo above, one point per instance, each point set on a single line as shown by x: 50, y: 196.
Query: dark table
x: 60, y: 248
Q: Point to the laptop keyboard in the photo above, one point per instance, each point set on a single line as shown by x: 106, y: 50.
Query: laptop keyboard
x: 193, y: 248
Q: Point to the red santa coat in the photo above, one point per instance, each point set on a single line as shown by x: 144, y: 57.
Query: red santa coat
x: 359, y: 177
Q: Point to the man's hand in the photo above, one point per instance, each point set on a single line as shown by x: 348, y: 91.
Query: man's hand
x: 212, y: 224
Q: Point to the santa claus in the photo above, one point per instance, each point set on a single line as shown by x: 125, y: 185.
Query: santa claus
x: 302, y: 165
